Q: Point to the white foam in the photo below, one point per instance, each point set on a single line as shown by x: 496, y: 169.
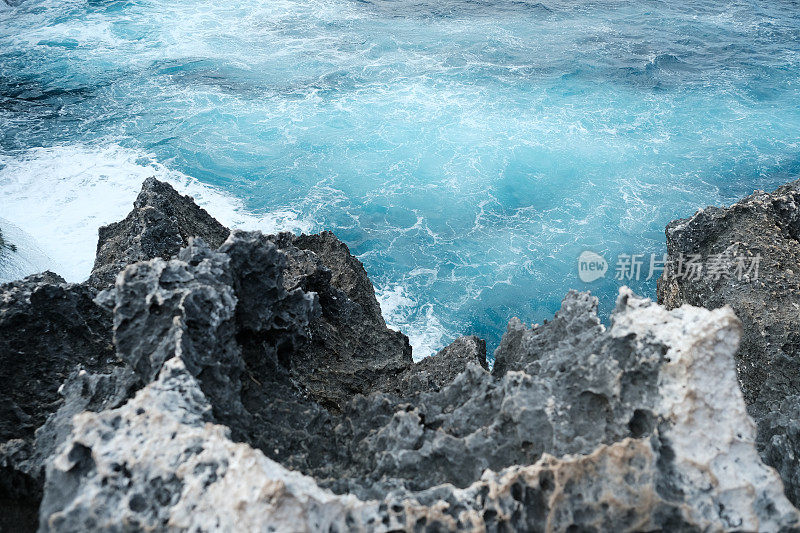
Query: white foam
x: 58, y: 197
x: 425, y: 332
x: 61, y: 195
x: 25, y: 258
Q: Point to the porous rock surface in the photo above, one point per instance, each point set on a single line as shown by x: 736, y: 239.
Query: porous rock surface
x: 361, y: 354
x: 253, y: 385
x: 351, y: 350
x: 161, y: 223
x: 767, y: 227
x: 160, y: 462
x: 48, y: 328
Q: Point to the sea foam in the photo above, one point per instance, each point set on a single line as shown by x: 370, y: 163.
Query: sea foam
x: 55, y: 199
x: 60, y: 196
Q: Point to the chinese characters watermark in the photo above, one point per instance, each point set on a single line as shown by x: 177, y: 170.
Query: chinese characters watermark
x: 637, y: 267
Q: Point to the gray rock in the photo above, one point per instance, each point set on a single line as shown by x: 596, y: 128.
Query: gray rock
x: 272, y: 396
x: 48, y: 329
x: 82, y: 391
x: 157, y: 463
x: 183, y: 305
x: 228, y: 316
x: 265, y: 307
x: 273, y: 327
x: 22, y: 461
x: 574, y: 327
x: 433, y: 373
x: 161, y: 223
x: 558, y: 395
x: 768, y: 361
x: 351, y: 351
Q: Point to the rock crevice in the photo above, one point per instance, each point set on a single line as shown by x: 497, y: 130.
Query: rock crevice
x: 239, y: 381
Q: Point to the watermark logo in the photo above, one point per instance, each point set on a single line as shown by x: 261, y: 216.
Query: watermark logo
x: 591, y: 266
x: 730, y: 264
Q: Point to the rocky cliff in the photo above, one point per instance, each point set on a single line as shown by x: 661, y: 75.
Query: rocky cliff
x: 750, y: 253
x: 212, y: 380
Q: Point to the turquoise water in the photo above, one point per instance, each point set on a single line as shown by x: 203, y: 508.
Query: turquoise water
x: 467, y: 151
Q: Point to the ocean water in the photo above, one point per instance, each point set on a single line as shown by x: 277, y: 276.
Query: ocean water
x: 466, y: 150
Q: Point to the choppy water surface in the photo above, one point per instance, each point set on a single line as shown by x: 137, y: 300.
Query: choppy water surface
x: 467, y: 151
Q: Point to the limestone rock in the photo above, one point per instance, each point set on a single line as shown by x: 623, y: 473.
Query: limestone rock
x: 162, y: 221
x: 228, y: 316
x: 434, y: 372
x: 159, y: 463
x: 184, y: 306
x: 760, y: 231
x: 351, y: 350
x: 254, y: 385
x: 48, y: 329
x: 560, y: 394
x: 22, y: 461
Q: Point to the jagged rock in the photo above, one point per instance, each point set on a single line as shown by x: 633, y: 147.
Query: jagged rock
x: 158, y: 463
x: 230, y: 319
x: 767, y: 227
x: 273, y: 327
x: 558, y: 395
x: 563, y: 397
x: 287, y: 339
x: 272, y: 396
x: 22, y: 461
x: 574, y: 327
x: 183, y: 305
x: 433, y: 373
x: 351, y: 350
x: 265, y: 307
x: 162, y: 221
x: 82, y: 391
x: 48, y: 328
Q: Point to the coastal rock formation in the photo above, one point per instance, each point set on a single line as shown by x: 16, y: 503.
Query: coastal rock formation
x: 252, y: 384
x: 48, y: 329
x: 433, y: 373
x: 231, y: 320
x: 162, y: 221
x: 756, y: 243
x: 351, y: 351
x: 568, y: 399
x: 160, y: 462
